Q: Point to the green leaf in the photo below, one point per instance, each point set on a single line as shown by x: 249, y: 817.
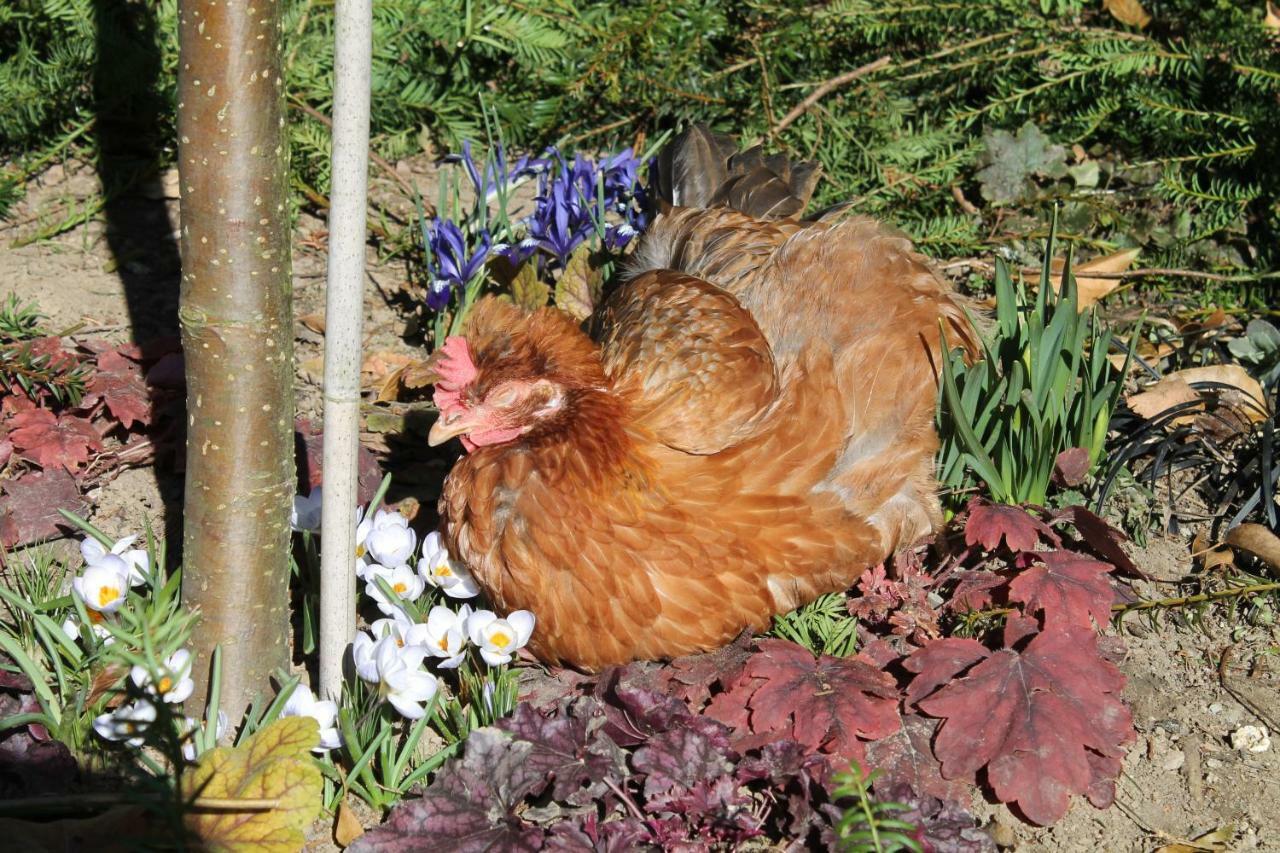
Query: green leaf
x: 1012, y: 162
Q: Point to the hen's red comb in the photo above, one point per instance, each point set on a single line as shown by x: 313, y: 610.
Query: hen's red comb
x: 455, y: 368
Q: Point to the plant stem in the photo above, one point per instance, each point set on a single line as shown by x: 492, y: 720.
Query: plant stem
x: 344, y: 313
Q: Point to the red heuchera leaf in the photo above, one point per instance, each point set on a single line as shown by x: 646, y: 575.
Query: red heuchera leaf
x: 1033, y: 718
x: 29, y: 507
x: 1105, y: 540
x: 118, y: 382
x: 308, y: 452
x: 567, y: 752
x: 825, y: 703
x: 6, y: 447
x: 53, y: 441
x: 1067, y: 589
x: 1071, y: 467
x: 906, y: 757
x: 937, y: 663
x: 975, y: 590
x: 989, y: 523
x: 470, y: 805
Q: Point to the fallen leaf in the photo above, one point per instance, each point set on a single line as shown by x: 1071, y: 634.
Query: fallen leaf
x: 906, y: 756
x: 118, y: 382
x: 54, y: 441
x: 1170, y: 392
x: 1258, y: 541
x: 273, y: 764
x: 380, y: 365
x: 1211, y: 556
x: 579, y: 286
x: 1090, y: 290
x: 30, y: 504
x: 1128, y: 12
x: 314, y: 322
x: 1243, y: 395
x: 1271, y: 20
x: 346, y: 827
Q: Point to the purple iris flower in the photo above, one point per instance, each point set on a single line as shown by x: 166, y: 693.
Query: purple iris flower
x: 497, y: 172
x: 449, y: 263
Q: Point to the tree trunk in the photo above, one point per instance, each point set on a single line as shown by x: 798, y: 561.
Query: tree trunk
x: 237, y: 334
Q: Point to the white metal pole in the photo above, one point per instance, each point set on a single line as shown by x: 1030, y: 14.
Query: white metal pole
x: 344, y: 313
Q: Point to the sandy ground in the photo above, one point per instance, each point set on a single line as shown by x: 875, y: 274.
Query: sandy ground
x: 1181, y: 780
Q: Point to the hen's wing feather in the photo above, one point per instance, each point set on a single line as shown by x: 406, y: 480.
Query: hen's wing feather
x: 689, y: 359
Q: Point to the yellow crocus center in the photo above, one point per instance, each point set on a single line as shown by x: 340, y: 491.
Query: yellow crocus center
x: 360, y: 551
x: 443, y: 644
x: 107, y: 594
x: 96, y: 618
x: 400, y: 588
x: 443, y: 571
x: 500, y: 639
x: 165, y: 685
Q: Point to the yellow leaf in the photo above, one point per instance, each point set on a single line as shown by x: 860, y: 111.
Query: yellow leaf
x: 1129, y: 12
x: 1090, y: 290
x: 1272, y: 19
x: 579, y: 286
x: 274, y: 765
x: 526, y: 290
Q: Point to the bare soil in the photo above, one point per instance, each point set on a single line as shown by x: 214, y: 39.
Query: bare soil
x: 1181, y: 779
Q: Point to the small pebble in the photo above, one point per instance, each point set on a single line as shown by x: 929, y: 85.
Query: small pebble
x: 1212, y: 763
x: 1174, y: 761
x: 1002, y: 834
x: 1215, y: 708
x: 1251, y: 739
x: 1171, y: 726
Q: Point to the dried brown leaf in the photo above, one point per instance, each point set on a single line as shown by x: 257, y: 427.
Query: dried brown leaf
x: 1128, y: 12
x: 1090, y: 290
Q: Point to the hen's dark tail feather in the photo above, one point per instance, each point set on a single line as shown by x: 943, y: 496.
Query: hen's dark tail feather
x: 702, y: 168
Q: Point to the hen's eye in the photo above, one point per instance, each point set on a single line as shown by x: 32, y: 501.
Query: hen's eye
x: 505, y: 397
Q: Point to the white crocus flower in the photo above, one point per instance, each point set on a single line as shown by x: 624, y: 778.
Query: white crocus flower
x: 137, y: 561
x: 398, y: 672
x: 386, y: 538
x: 404, y: 582
x: 104, y: 584
x: 437, y: 569
x: 72, y: 628
x: 128, y: 723
x: 446, y: 634
x: 306, y: 511
x: 190, y: 725
x: 303, y: 703
x: 499, y: 639
x: 398, y: 625
x: 173, y: 682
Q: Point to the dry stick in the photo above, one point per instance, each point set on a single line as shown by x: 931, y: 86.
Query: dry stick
x: 825, y: 89
x: 83, y: 802
x: 1138, y: 273
x: 378, y: 161
x: 344, y: 313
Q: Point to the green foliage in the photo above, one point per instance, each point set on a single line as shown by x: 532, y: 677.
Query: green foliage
x: 1174, y: 127
x: 822, y: 626
x: 870, y: 826
x: 1044, y: 385
x: 18, y: 321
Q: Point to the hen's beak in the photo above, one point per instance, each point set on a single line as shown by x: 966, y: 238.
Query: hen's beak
x: 449, y: 425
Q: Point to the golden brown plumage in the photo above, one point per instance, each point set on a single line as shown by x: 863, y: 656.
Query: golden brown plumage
x: 753, y: 427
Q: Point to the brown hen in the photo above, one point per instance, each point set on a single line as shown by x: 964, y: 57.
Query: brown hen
x: 751, y: 428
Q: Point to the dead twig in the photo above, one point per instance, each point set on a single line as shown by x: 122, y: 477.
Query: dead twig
x: 826, y: 88
x: 987, y: 266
